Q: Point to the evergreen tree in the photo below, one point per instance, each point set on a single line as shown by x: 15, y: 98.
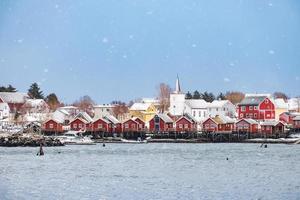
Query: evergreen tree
x: 10, y: 88
x: 35, y: 92
x: 196, y: 95
x: 188, y: 95
x: 221, y: 96
x: 209, y: 97
x: 52, y: 101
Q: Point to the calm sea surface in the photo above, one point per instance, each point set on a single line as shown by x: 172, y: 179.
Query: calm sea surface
x: 152, y: 171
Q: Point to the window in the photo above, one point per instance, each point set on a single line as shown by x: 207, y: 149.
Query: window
x: 266, y: 101
x: 186, y: 126
x: 75, y: 125
x: 180, y: 126
x: 212, y: 126
x: 194, y: 113
x: 51, y: 126
x: 224, y: 109
x: 243, y: 108
x: 217, y: 109
x: 241, y: 115
x: 199, y: 113
x: 267, y: 128
x: 99, y: 125
x: 126, y: 126
x: 255, y: 115
x: 250, y: 115
x: 255, y: 107
x: 247, y: 115
x: 132, y: 125
x: 140, y: 125
x: 79, y: 125
x: 250, y: 107
x: 207, y: 126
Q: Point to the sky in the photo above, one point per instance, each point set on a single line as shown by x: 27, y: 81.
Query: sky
x: 122, y: 50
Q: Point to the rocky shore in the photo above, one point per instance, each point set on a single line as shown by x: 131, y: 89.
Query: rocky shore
x: 27, y: 140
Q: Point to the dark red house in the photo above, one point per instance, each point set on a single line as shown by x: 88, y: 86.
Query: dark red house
x: 115, y: 126
x: 130, y: 126
x: 218, y: 124
x: 296, y: 122
x: 185, y: 124
x: 15, y: 100
x: 247, y: 125
x: 256, y: 107
x: 161, y: 123
x: 52, y: 125
x: 287, y: 117
x: 141, y: 123
x: 99, y: 125
x: 272, y: 127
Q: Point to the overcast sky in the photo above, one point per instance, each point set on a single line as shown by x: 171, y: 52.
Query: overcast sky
x: 121, y: 50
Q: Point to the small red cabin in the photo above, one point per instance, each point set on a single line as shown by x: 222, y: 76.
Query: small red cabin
x: 209, y: 125
x: 79, y: 124
x: 52, y: 126
x: 99, y: 125
x: 141, y: 123
x: 218, y: 124
x: 161, y: 123
x: 296, y: 122
x: 247, y: 125
x: 130, y: 126
x: 185, y: 124
x: 272, y: 127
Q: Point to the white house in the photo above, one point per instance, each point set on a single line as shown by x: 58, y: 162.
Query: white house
x: 103, y: 110
x: 177, y: 101
x: 4, y: 110
x: 294, y: 104
x: 221, y: 108
x: 35, y: 106
x: 197, y: 108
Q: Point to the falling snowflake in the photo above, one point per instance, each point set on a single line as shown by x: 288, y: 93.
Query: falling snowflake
x: 226, y: 80
x: 229, y: 43
x: 46, y: 70
x: 194, y: 45
x: 271, y: 52
x: 124, y: 56
x: 131, y: 37
x: 20, y: 41
x: 270, y: 4
x: 150, y: 12
x: 105, y: 40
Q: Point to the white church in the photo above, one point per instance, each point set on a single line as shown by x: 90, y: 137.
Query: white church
x: 199, y: 109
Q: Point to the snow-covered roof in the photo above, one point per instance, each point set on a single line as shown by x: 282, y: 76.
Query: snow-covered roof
x: 135, y: 118
x: 196, y: 103
x: 104, y: 106
x: 280, y: 103
x: 140, y: 106
x: 252, y: 100
x: 68, y: 107
x: 4, y: 106
x: 226, y: 119
x: 296, y: 118
x: 103, y: 119
x: 35, y: 102
x: 84, y: 116
x: 250, y: 121
x: 218, y: 103
x: 165, y: 118
x: 293, y: 103
x: 13, y: 97
x: 112, y: 119
x: 269, y: 123
x: 258, y: 95
x: 150, y: 100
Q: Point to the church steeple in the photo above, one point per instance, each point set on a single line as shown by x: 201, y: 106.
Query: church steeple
x: 178, y: 89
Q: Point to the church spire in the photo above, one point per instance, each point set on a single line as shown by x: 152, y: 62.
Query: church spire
x: 177, y: 90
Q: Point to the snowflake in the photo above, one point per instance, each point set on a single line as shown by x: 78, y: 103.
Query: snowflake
x: 226, y: 79
x: 105, y: 40
x: 46, y: 70
x: 271, y: 52
x: 194, y: 45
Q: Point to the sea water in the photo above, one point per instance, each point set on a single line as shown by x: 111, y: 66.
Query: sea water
x: 151, y: 171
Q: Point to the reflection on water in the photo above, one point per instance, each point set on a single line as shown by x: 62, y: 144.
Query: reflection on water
x: 152, y: 171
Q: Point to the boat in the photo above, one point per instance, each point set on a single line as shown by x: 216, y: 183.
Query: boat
x: 75, y: 138
x: 138, y: 141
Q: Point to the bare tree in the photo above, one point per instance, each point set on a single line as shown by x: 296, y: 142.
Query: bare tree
x: 85, y: 104
x: 235, y: 97
x: 164, y: 91
x: 120, y: 108
x: 280, y: 95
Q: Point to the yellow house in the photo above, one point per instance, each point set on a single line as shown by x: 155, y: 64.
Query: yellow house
x: 144, y: 111
x: 280, y: 107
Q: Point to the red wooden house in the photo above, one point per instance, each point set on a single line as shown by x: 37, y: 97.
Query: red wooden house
x: 114, y: 126
x: 287, y: 117
x: 99, y: 125
x: 247, y: 125
x: 161, y: 123
x: 15, y: 100
x: 296, y: 122
x: 256, y: 107
x: 185, y: 124
x: 272, y: 127
x: 141, y: 123
x: 81, y: 122
x: 218, y: 124
x: 53, y: 125
x: 130, y: 126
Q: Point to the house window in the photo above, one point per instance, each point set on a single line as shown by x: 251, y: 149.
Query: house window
x: 243, y: 108
x: 250, y: 115
x: 194, y: 113
x: 267, y: 128
x: 224, y: 109
x: 180, y: 125
x: 250, y: 107
x: 51, y: 126
x: 207, y: 126
x: 99, y: 125
x: 255, y: 107
x: 140, y: 125
x: 247, y: 115
x: 132, y: 125
x: 255, y: 115
x: 79, y: 125
x: 199, y: 113
x: 217, y: 109
x: 266, y: 101
x: 241, y: 115
x: 186, y: 126
x: 75, y: 125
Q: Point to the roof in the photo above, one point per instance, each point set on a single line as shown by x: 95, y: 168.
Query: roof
x: 252, y: 100
x: 258, y: 95
x: 112, y: 119
x: 3, y: 106
x: 84, y: 116
x: 250, y: 121
x: 165, y: 118
x: 219, y: 119
x: 104, y: 106
x: 296, y: 118
x: 140, y: 106
x: 101, y: 118
x: 35, y: 102
x: 135, y: 118
x: 218, y: 103
x: 196, y: 103
x: 13, y: 97
x: 280, y: 103
x: 188, y: 117
x: 269, y: 123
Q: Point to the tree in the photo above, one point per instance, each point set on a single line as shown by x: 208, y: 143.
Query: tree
x: 35, y: 92
x: 196, y: 95
x: 188, y: 95
x: 209, y: 97
x: 9, y: 88
x: 85, y: 103
x: 120, y: 108
x: 235, y: 97
x: 164, y: 96
x: 280, y: 95
x: 221, y: 96
x: 52, y: 101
